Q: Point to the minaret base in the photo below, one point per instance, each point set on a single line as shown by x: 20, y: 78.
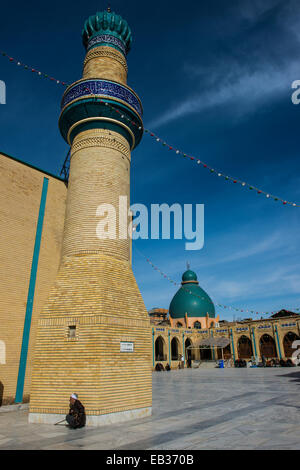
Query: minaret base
x: 93, y: 339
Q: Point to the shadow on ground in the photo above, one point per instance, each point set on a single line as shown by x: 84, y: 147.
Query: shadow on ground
x: 293, y: 375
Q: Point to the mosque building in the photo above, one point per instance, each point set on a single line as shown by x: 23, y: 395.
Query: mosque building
x: 190, y: 329
x: 68, y: 301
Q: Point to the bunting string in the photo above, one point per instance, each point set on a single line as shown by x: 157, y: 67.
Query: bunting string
x: 220, y: 174
x: 198, y: 161
x: 32, y: 69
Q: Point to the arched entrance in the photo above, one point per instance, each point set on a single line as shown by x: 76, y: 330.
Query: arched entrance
x: 160, y: 349
x: 267, y: 346
x: 178, y: 324
x: 288, y: 340
x: 245, y: 350
x: 188, y: 352
x: 175, y: 349
x: 197, y: 325
x: 227, y: 352
x: 205, y: 353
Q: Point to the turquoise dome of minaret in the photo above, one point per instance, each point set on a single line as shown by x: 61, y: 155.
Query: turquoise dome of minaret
x: 107, y: 28
x: 191, y: 299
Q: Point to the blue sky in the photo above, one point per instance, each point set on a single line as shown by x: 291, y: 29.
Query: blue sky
x: 215, y: 81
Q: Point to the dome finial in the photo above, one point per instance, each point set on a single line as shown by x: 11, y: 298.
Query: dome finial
x: 107, y: 28
x: 188, y: 265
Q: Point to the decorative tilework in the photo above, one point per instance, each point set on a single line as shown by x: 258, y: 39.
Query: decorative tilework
x: 101, y: 87
x: 286, y: 325
x: 241, y: 329
x: 263, y: 326
x: 108, y: 142
x: 108, y: 39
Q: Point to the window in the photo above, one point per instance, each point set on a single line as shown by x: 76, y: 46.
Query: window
x: 72, y: 331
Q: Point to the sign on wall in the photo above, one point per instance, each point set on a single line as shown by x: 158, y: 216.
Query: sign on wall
x: 126, y: 346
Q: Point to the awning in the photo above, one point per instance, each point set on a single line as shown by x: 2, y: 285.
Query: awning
x: 210, y: 342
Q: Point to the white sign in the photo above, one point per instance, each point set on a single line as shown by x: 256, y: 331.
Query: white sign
x: 2, y: 92
x: 126, y: 347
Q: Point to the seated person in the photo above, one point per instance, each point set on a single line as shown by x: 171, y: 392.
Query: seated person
x: 76, y: 417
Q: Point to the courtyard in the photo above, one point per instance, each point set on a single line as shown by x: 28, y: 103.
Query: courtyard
x: 192, y: 409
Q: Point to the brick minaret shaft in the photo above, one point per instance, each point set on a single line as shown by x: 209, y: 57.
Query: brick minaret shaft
x: 99, y: 170
x: 95, y: 292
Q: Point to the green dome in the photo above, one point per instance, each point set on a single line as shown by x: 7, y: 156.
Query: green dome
x: 107, y: 28
x: 191, y: 299
x: 189, y: 276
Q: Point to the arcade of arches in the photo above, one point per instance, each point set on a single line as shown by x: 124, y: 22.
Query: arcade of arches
x: 273, y: 339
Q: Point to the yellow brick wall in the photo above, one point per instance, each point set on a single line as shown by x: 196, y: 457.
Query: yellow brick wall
x: 20, y: 195
x: 105, y: 62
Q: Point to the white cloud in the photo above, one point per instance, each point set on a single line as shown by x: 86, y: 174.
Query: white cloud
x: 245, y: 91
x: 270, y: 283
x: 249, y: 77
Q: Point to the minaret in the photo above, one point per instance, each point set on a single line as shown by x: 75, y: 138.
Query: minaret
x: 94, y: 332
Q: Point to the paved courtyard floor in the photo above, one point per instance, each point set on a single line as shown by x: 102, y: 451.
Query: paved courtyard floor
x: 192, y: 409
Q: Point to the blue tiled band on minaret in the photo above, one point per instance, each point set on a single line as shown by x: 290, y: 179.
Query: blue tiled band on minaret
x: 97, y: 87
x: 101, y: 104
x: 30, y: 297
x: 106, y: 40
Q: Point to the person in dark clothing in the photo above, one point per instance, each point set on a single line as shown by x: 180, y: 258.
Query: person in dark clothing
x: 76, y: 417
